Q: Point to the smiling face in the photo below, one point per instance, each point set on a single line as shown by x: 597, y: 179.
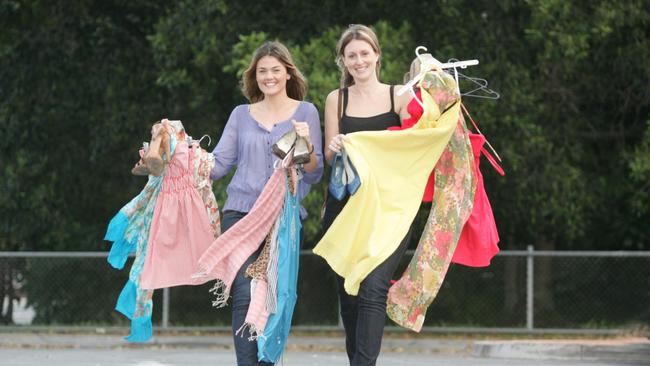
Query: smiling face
x: 360, y: 59
x: 271, y: 76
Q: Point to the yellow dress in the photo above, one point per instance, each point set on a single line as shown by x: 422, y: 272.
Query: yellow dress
x: 393, y: 167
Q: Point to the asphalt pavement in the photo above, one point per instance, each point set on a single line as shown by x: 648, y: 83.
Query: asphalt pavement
x: 43, y: 348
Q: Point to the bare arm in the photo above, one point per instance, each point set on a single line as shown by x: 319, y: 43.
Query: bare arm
x: 311, y: 131
x: 401, y: 102
x: 331, y: 126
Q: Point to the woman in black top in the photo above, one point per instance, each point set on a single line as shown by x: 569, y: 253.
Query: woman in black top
x: 366, y: 105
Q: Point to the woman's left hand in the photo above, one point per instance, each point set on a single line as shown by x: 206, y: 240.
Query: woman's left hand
x: 302, y: 130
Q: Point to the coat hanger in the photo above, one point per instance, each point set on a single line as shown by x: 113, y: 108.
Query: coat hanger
x: 427, y: 63
x: 204, y: 136
x: 480, y: 86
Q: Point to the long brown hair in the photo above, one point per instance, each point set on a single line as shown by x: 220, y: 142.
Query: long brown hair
x: 296, y: 85
x: 362, y: 33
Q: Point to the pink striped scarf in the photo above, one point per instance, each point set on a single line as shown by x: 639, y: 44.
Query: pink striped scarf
x: 226, y: 255
x: 264, y: 290
x: 257, y: 314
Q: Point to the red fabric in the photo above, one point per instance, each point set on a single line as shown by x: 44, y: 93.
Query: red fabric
x: 415, y: 110
x: 478, y: 240
x: 477, y: 244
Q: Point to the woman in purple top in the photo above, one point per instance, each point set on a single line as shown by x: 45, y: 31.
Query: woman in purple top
x: 275, y: 89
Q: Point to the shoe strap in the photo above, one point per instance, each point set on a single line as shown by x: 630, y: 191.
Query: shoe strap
x: 286, y: 162
x: 348, y: 173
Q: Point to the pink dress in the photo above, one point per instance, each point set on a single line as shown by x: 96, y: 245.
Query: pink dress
x: 478, y: 240
x: 180, y: 228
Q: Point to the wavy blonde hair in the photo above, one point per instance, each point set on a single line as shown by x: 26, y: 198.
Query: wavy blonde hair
x: 296, y: 85
x: 362, y: 33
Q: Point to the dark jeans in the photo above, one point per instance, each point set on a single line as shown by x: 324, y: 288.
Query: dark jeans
x: 364, y: 315
x: 245, y: 350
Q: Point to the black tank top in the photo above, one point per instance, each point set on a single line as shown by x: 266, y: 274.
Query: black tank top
x: 350, y: 124
x: 378, y: 122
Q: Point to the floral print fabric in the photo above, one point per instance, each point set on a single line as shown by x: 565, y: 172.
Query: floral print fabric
x: 202, y: 165
x: 411, y: 295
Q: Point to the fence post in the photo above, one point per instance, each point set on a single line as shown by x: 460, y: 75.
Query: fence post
x: 530, y: 288
x: 165, y: 308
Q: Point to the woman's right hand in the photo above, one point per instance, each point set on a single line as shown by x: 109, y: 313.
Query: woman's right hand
x: 336, y: 143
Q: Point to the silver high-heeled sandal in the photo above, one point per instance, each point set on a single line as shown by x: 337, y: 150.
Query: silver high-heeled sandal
x: 302, y: 154
x: 284, y: 144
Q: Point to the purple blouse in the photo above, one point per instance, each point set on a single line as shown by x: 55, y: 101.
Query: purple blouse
x: 246, y: 143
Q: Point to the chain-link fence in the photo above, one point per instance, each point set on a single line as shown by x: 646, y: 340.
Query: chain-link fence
x: 523, y: 291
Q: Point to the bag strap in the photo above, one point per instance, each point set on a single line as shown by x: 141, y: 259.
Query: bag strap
x: 339, y: 108
x: 479, y: 131
x: 348, y: 173
x: 492, y: 161
x: 326, y: 186
x: 470, y: 118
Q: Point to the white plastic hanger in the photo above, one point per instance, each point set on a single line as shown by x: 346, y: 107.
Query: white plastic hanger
x: 426, y: 65
x: 209, y: 139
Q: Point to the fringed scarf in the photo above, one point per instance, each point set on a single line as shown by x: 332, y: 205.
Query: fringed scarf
x: 271, y: 344
x: 225, y: 256
x: 276, y: 216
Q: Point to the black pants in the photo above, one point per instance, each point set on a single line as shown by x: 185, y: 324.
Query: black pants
x: 245, y: 350
x: 364, y: 315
